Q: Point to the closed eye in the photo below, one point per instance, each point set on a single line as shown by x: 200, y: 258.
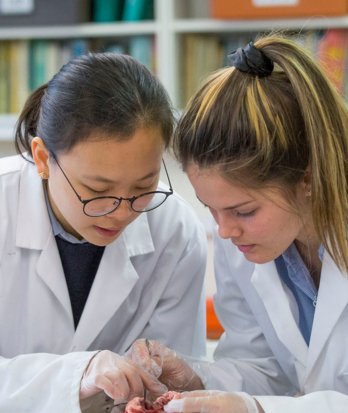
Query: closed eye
x: 245, y: 214
x: 96, y: 191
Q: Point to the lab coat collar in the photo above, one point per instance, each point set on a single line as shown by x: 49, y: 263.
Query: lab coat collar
x: 269, y: 287
x: 331, y: 301
x: 33, y: 224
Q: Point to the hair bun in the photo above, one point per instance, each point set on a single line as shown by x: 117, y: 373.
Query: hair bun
x: 251, y: 60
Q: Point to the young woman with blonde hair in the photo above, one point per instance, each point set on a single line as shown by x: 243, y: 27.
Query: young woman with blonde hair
x: 265, y: 145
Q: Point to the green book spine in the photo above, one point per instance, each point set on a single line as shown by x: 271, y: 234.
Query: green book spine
x: 107, y: 10
x: 4, y: 76
x: 134, y: 10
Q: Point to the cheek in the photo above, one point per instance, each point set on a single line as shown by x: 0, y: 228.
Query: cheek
x: 67, y: 207
x: 283, y: 228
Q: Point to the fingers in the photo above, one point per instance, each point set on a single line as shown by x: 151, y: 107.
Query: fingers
x: 151, y: 383
x: 129, y: 380
x: 191, y: 405
x: 148, y: 354
x: 200, y: 393
x: 118, y: 389
x: 208, y: 402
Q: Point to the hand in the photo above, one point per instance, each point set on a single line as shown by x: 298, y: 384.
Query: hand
x: 162, y: 362
x: 213, y: 401
x: 118, y: 377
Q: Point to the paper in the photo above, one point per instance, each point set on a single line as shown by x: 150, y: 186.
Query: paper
x: 16, y: 6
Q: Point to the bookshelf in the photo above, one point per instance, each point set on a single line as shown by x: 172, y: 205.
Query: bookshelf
x: 174, y: 22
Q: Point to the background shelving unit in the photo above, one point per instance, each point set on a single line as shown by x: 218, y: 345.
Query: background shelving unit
x: 173, y: 21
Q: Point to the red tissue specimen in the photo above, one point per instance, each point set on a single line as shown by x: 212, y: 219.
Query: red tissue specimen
x: 139, y: 405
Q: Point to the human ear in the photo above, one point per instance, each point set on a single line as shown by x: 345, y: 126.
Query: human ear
x: 40, y: 157
x: 307, y: 182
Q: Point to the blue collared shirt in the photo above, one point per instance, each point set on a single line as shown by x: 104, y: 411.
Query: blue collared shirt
x: 294, y: 273
x: 57, y: 228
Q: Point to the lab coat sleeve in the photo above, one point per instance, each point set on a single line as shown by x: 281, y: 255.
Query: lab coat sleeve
x: 243, y: 359
x: 318, y: 402
x: 42, y: 382
x: 183, y: 297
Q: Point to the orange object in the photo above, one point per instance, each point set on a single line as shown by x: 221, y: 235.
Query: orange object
x: 253, y: 9
x: 214, y: 328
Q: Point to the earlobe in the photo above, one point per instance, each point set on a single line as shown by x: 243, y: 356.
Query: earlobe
x: 40, y: 157
x: 307, y: 178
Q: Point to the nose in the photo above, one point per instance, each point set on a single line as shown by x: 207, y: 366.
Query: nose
x: 228, y: 227
x: 123, y: 212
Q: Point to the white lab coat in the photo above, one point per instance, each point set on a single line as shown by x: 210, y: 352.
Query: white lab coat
x: 263, y: 352
x: 149, y: 284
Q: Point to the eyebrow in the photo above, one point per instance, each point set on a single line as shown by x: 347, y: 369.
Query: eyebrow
x: 229, y: 207
x: 110, y: 181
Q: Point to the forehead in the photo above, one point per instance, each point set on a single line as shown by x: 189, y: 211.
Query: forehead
x: 109, y: 156
x: 217, y: 192
x: 212, y: 188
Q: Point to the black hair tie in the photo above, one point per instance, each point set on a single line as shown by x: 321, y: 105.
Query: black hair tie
x: 251, y: 60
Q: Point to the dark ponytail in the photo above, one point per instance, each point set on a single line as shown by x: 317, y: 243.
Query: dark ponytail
x: 26, y: 126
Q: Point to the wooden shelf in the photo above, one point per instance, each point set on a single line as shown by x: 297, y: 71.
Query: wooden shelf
x: 82, y: 30
x: 225, y: 26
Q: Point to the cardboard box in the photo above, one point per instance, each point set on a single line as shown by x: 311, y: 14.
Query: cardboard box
x: 46, y: 13
x: 254, y: 9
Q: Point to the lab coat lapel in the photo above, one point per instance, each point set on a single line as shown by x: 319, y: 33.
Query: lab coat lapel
x: 270, y: 289
x: 332, y: 300
x: 50, y: 270
x: 115, y: 278
x: 34, y: 232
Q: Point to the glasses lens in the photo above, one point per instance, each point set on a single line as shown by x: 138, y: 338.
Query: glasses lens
x: 101, y: 206
x: 147, y: 202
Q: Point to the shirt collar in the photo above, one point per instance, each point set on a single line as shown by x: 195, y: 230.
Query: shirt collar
x: 57, y: 229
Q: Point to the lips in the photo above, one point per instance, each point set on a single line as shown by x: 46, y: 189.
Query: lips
x: 108, y: 232
x: 245, y: 248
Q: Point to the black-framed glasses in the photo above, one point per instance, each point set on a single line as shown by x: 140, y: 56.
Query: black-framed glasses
x: 104, y: 205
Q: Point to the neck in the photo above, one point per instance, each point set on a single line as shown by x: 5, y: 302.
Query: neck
x: 310, y: 255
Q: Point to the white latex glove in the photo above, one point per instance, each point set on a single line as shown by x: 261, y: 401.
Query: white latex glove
x: 165, y: 364
x: 118, y: 377
x: 213, y: 401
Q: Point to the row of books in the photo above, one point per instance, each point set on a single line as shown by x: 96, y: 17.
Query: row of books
x: 25, y: 65
x: 204, y: 54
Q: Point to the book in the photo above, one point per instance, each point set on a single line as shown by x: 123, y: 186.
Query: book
x: 18, y: 74
x: 332, y: 55
x: 107, y: 10
x: 203, y: 54
x: 37, y: 63
x: 4, y: 73
x: 78, y: 47
x: 140, y: 47
x: 134, y: 10
x: 53, y: 59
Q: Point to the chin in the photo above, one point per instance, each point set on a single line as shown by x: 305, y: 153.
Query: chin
x: 101, y: 241
x: 257, y: 259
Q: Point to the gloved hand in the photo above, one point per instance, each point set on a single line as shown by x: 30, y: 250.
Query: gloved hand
x: 118, y: 377
x: 164, y: 363
x: 213, y: 401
